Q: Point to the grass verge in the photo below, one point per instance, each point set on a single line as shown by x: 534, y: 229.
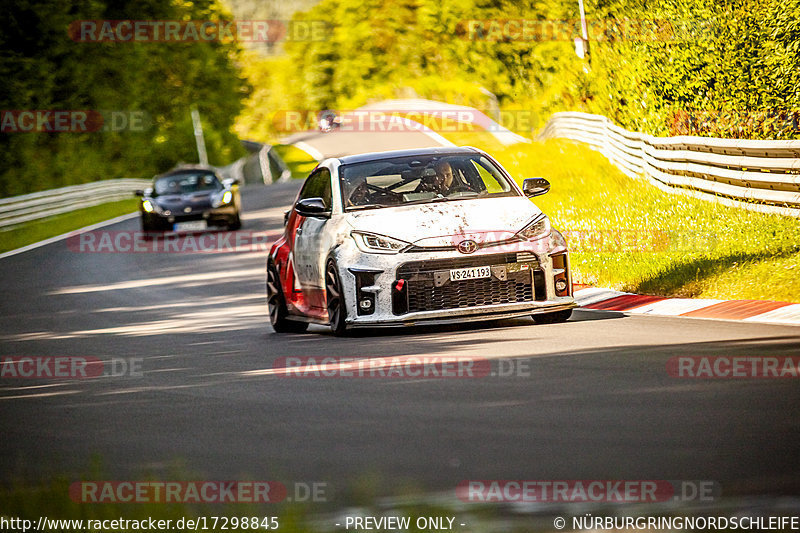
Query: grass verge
x: 300, y: 163
x: 55, y: 503
x: 38, y: 230
x: 628, y: 235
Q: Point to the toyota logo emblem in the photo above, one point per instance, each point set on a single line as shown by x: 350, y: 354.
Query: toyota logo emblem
x: 467, y: 247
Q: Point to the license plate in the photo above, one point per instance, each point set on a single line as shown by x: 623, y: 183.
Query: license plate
x: 193, y: 225
x: 459, y: 274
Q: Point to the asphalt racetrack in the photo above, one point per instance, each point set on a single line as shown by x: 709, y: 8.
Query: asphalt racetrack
x: 587, y: 399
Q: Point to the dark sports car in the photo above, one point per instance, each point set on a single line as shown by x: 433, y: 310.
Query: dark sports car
x: 190, y: 200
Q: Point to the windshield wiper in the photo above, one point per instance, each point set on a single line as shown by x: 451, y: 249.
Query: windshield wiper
x: 437, y: 200
x: 362, y: 207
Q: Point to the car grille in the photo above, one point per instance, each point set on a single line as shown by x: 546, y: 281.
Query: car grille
x: 424, y: 295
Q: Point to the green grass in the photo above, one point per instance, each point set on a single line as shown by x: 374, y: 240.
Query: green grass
x: 51, y: 500
x: 629, y: 235
x: 37, y: 230
x: 29, y: 498
x: 300, y: 163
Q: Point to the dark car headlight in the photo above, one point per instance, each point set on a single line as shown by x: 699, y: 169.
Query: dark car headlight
x: 151, y: 206
x: 224, y: 199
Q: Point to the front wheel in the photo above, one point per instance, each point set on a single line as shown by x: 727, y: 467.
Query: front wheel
x: 276, y: 304
x: 553, y: 318
x: 335, y: 300
x: 151, y: 229
x: 235, y: 223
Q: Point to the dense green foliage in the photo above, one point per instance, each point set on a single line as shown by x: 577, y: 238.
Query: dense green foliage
x: 723, y: 68
x: 42, y: 68
x: 718, y: 67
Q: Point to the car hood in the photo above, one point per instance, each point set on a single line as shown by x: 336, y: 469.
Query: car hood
x: 196, y: 199
x: 436, y: 224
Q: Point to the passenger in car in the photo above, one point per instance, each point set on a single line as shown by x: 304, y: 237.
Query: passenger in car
x: 359, y: 195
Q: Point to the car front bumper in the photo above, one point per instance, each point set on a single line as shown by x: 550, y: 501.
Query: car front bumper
x: 522, y: 284
x: 458, y: 316
x: 213, y: 216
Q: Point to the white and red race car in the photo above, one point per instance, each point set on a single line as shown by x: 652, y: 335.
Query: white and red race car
x: 415, y: 237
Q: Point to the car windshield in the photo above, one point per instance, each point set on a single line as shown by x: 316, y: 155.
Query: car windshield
x: 421, y: 179
x: 186, y: 183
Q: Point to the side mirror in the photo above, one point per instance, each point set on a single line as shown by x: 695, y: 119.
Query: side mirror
x: 138, y: 192
x: 231, y: 182
x: 286, y: 217
x: 535, y: 187
x: 312, y: 207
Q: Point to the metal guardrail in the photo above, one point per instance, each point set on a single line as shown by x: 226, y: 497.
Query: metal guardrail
x: 263, y: 165
x: 760, y: 176
x: 18, y: 209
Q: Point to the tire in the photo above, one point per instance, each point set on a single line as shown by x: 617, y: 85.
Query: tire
x: 150, y: 230
x: 235, y: 224
x: 553, y: 318
x: 276, y: 305
x: 337, y: 311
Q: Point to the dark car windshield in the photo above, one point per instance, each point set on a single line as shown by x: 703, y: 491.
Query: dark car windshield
x: 421, y: 179
x: 186, y: 183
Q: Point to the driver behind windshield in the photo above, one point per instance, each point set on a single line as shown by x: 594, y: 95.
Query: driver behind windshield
x: 441, y: 182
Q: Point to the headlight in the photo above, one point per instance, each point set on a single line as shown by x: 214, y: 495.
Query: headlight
x: 147, y: 205
x: 377, y: 244
x: 225, y: 199
x: 536, y: 229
